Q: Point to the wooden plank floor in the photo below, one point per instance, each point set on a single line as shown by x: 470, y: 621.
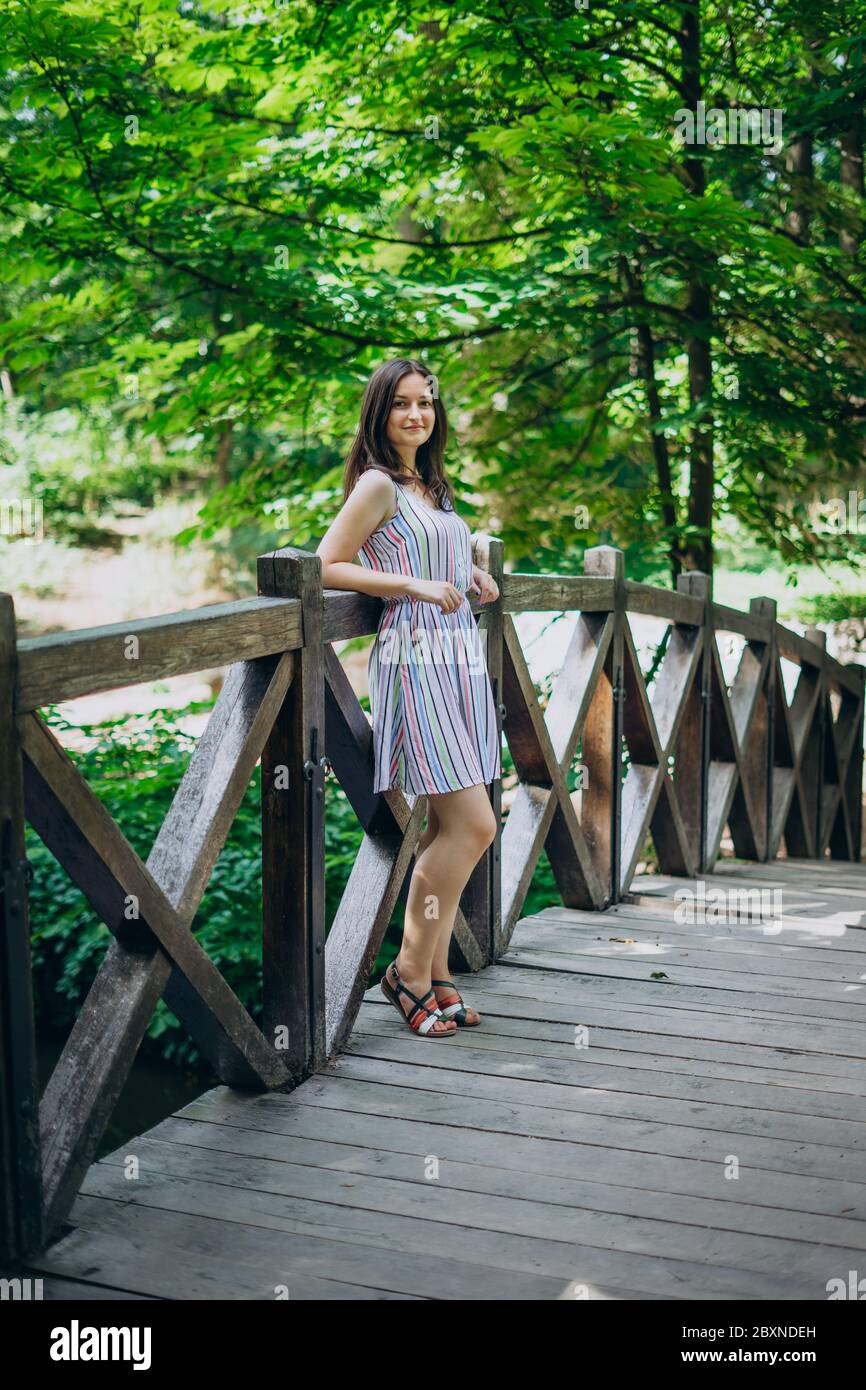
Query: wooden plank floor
x: 709, y: 1142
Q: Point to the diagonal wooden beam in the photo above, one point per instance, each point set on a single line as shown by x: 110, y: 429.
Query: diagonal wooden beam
x: 575, y: 684
x: 729, y: 792
x: 670, y: 837
x: 81, y: 834
x: 792, y: 814
x: 841, y: 734
x: 136, y: 971
x: 783, y: 765
x: 538, y: 767
x: 529, y: 819
x: 648, y: 777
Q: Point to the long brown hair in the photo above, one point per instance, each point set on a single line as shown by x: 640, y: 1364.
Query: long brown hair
x: 371, y: 447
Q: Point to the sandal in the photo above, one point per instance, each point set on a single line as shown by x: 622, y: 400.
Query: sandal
x: 421, y: 1018
x: 456, y: 1011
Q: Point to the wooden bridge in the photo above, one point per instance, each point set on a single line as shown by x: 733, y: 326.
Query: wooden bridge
x: 667, y: 1096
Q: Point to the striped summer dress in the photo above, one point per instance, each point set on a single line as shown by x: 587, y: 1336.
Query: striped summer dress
x: 434, y: 722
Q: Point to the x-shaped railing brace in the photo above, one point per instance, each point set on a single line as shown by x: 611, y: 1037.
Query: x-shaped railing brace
x: 154, y: 952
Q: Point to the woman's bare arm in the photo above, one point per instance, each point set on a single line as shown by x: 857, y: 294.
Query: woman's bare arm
x: 369, y: 504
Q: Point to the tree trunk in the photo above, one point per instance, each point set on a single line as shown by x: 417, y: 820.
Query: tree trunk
x: 661, y: 458
x: 798, y: 162
x: 698, y: 549
x: 851, y: 175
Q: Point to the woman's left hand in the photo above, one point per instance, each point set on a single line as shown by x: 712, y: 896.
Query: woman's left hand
x: 482, y: 584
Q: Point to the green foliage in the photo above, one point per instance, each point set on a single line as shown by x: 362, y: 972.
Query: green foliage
x: 220, y: 216
x: 844, y: 609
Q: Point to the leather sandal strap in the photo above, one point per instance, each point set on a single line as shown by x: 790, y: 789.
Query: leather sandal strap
x: 419, y: 1004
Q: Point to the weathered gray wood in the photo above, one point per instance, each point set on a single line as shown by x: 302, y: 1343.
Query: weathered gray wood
x: 636, y: 1091
x: 730, y: 794
x: 20, y: 1176
x: 615, y: 1152
x: 99, y: 1052
x: 847, y: 677
x: 692, y: 743
x: 163, y: 895
x: 546, y: 813
x: 649, y: 797
x: 838, y: 1020
x: 754, y: 625
x: 854, y: 781
x: 640, y: 936
x: 800, y: 649
x: 715, y: 973
x: 56, y: 1289
x: 546, y: 593
x: 138, y: 1267
x: 476, y: 1208
x: 261, y: 1148
x: 655, y: 1068
x: 602, y: 735
x: 677, y: 605
x: 813, y: 759
x: 369, y: 1141
x: 776, y: 1028
x: 65, y: 665
x: 753, y: 708
x: 622, y: 1255
x: 303, y: 1248
x: 293, y: 830
x: 349, y: 614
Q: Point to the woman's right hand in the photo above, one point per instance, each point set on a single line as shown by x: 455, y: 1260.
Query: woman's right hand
x: 444, y: 595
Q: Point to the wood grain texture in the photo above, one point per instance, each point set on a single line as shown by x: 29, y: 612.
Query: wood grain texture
x: 66, y: 665
x: 605, y: 1166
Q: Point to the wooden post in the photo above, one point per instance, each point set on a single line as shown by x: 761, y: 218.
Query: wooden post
x: 693, y: 744
x: 766, y: 608
x: 602, y: 734
x: 293, y: 833
x: 855, y: 776
x: 818, y: 638
x: 481, y: 900
x: 21, y: 1230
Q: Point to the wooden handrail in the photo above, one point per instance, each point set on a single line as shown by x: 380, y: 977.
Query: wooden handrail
x: 677, y: 760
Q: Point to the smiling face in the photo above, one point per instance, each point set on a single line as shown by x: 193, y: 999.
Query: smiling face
x: 412, y: 417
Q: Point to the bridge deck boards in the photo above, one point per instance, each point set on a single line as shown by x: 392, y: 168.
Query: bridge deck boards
x: 509, y: 1163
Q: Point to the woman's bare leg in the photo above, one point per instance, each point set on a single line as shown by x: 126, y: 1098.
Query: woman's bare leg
x: 439, y: 966
x: 464, y: 826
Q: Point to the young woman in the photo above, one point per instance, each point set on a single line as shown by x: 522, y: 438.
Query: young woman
x: 434, y: 722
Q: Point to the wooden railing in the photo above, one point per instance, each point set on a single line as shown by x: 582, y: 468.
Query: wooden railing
x: 677, y: 759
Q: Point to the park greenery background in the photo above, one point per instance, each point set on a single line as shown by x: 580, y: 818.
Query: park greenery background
x: 219, y: 217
